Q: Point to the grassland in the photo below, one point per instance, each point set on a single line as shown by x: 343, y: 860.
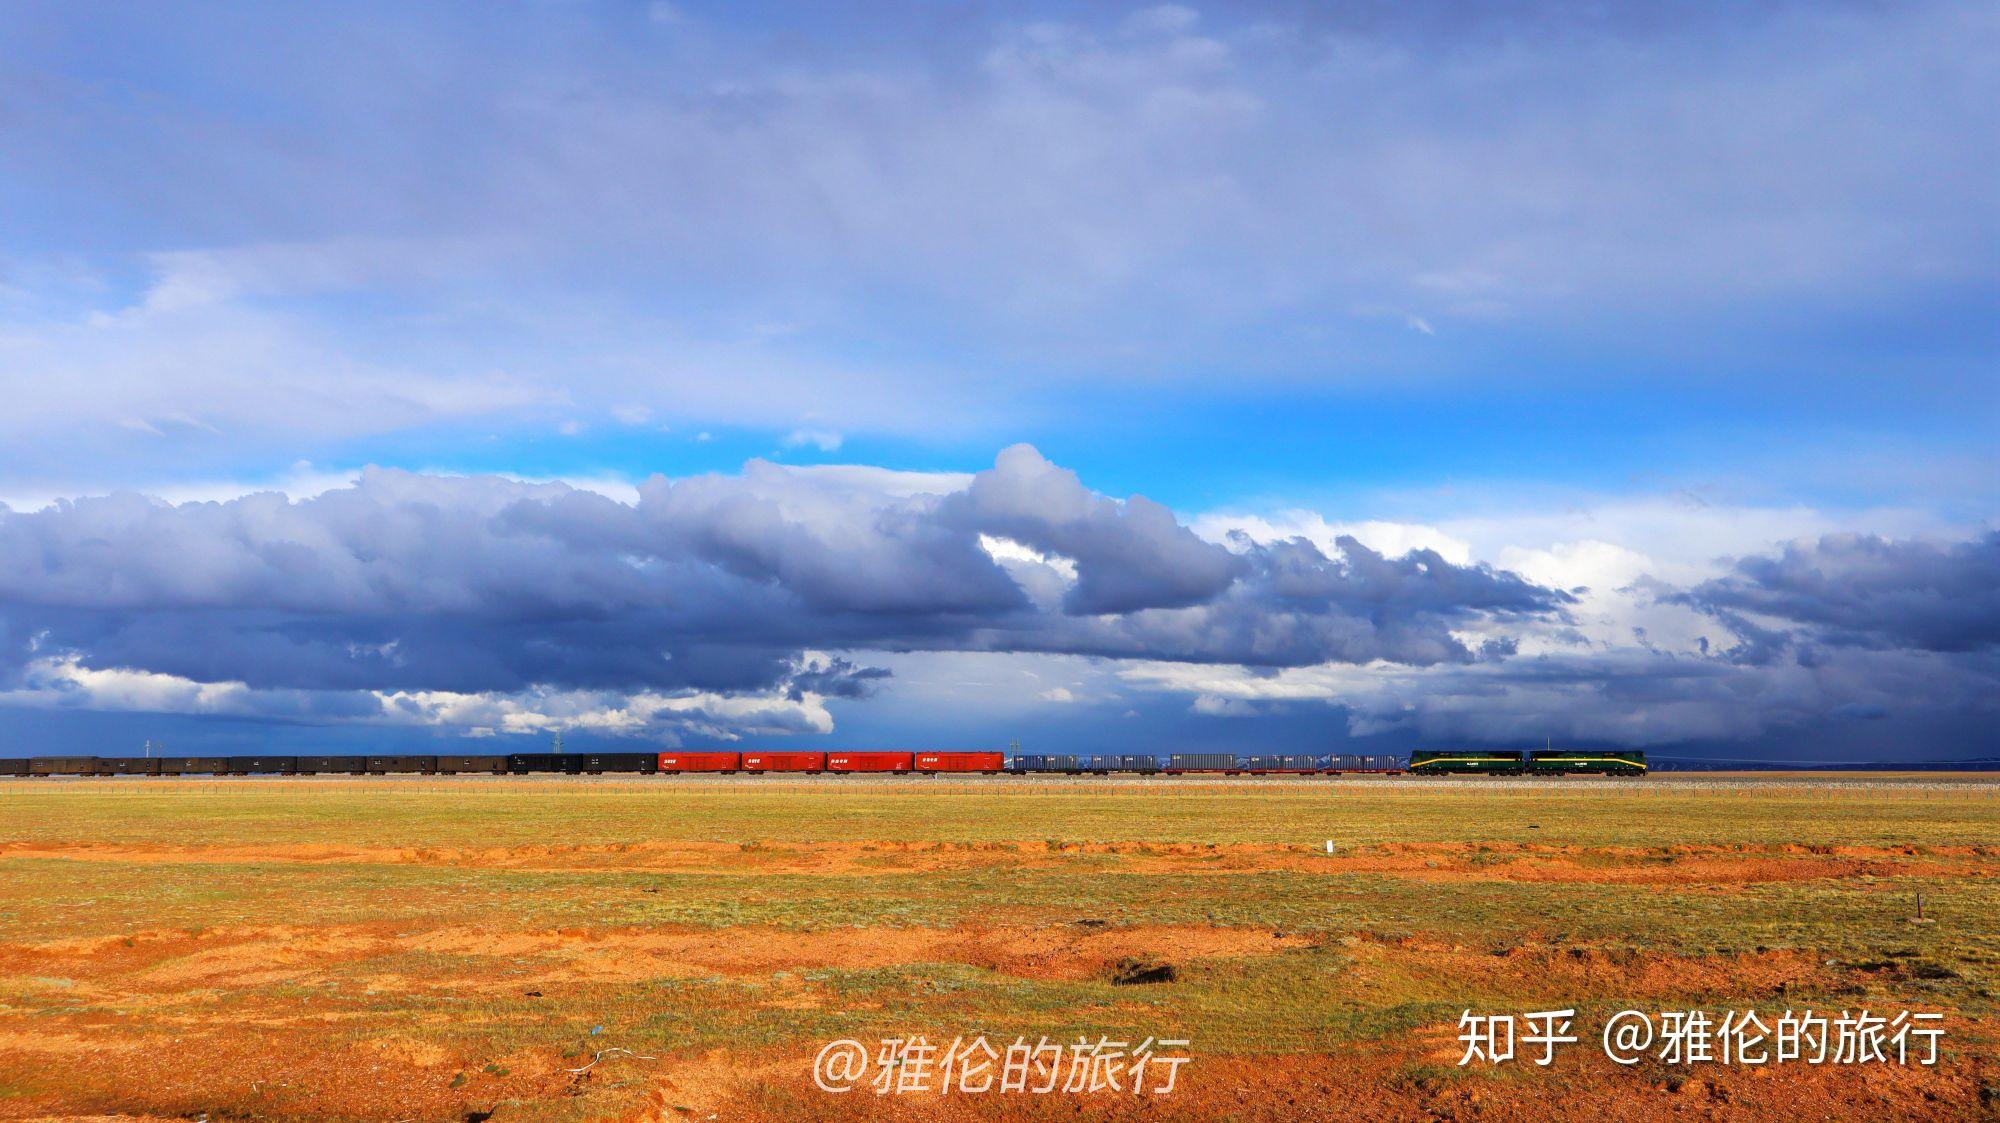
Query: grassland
x: 435, y: 950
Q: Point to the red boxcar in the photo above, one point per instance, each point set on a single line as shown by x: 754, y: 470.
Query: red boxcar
x: 870, y: 762
x: 961, y: 762
x: 784, y: 762
x: 698, y: 762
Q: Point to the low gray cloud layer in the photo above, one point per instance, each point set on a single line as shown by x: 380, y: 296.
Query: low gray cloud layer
x: 1834, y: 635
x: 408, y: 582
x: 1860, y: 590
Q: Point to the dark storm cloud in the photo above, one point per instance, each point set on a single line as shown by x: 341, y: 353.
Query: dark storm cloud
x: 414, y: 582
x: 1849, y: 628
x: 1129, y: 556
x: 1653, y: 698
x: 1291, y: 605
x: 1860, y: 590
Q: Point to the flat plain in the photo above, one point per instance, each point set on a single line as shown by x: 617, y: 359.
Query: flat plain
x: 435, y: 949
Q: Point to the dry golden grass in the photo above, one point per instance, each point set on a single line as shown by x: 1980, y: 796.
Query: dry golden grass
x: 425, y: 949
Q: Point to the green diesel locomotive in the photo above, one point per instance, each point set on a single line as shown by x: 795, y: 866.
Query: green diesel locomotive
x: 1542, y: 762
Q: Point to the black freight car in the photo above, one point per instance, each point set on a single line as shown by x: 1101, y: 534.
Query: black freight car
x: 353, y: 765
x: 193, y: 765
x: 594, y: 763
x: 378, y: 765
x: 128, y: 766
x: 63, y: 766
x: 262, y: 765
x: 472, y: 764
x: 545, y: 762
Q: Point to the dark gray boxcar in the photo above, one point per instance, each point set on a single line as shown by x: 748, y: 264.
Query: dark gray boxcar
x: 620, y: 762
x: 378, y: 764
x: 545, y: 762
x: 193, y: 765
x: 312, y: 764
x: 1128, y: 763
x: 256, y: 765
x: 472, y: 764
x: 129, y: 765
x: 62, y: 766
x: 1044, y: 762
x: 14, y: 766
x: 1204, y: 761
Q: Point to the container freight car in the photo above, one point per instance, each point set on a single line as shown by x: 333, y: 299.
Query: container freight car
x: 1202, y: 762
x: 871, y: 762
x: 1123, y: 763
x: 378, y: 765
x: 1432, y: 762
x: 784, y: 762
x: 194, y: 766
x: 311, y: 765
x: 63, y: 766
x: 698, y: 762
x: 262, y: 765
x: 1047, y: 762
x: 961, y: 762
x: 1587, y: 762
x: 456, y: 764
x: 128, y: 766
x: 1354, y: 762
x: 1260, y: 764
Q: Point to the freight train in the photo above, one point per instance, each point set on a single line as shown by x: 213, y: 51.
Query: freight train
x: 837, y: 763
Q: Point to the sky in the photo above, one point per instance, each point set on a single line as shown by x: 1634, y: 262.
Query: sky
x: 1255, y: 377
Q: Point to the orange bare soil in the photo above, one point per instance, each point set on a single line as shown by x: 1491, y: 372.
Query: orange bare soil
x: 464, y: 950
